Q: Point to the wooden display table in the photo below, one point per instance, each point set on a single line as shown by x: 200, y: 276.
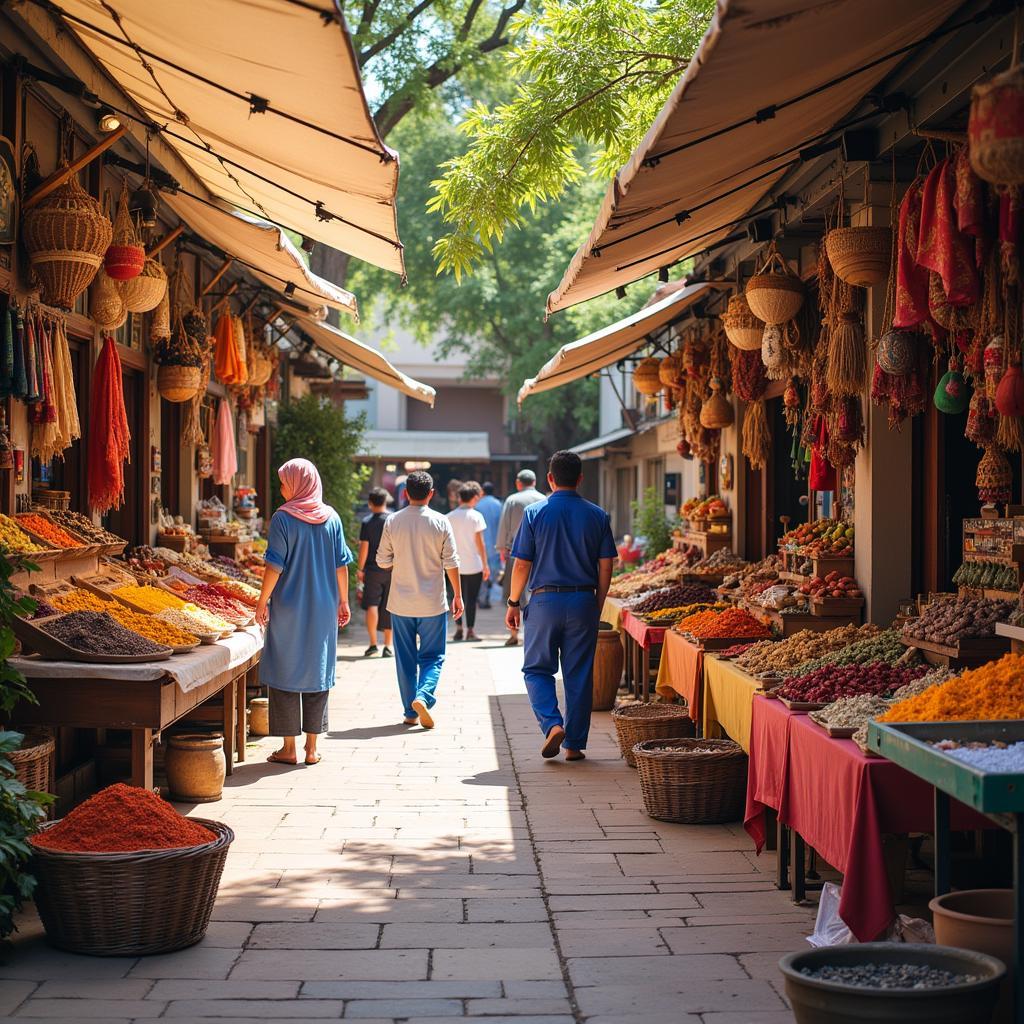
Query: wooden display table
x: 144, y: 698
x: 612, y: 612
x: 229, y: 547
x: 793, y: 622
x: 641, y: 642
x: 709, y: 542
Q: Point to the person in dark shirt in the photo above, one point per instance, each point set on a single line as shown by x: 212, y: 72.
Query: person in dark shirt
x: 563, y: 551
x: 376, y: 582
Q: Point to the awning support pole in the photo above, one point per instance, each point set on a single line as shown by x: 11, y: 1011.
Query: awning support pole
x: 171, y: 236
x: 628, y: 413
x: 221, y: 271
x: 62, y: 174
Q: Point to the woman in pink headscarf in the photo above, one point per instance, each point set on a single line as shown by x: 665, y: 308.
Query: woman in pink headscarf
x: 303, y: 602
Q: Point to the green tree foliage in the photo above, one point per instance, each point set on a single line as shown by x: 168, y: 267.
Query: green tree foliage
x: 594, y: 72
x: 312, y: 428
x: 21, y: 810
x: 650, y: 523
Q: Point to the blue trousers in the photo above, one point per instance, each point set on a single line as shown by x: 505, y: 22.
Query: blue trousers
x: 419, y: 668
x: 561, y: 628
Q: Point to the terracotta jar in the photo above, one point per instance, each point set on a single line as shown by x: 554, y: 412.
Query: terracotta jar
x: 608, y: 662
x: 195, y: 766
x: 259, y: 716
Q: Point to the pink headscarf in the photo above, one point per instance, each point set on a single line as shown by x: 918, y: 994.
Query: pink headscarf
x: 307, y: 500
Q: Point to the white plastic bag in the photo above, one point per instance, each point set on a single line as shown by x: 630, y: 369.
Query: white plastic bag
x: 831, y: 930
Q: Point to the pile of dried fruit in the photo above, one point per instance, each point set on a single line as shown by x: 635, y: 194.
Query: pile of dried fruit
x: 829, y: 683
x: 723, y: 560
x: 950, y: 621
x: 799, y: 648
x: 54, y: 535
x: 84, y: 527
x: 714, y: 624
x: 207, y: 596
x: 14, y: 538
x: 675, y: 596
x: 884, y: 647
x: 662, y: 571
x: 670, y: 615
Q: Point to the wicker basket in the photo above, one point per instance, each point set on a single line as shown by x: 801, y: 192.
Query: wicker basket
x: 130, y: 904
x: 145, y: 292
x: 178, y: 383
x: 716, y: 413
x: 635, y: 723
x: 860, y: 256
x: 125, y: 257
x: 670, y: 369
x: 65, y: 235
x: 106, y: 303
x: 647, y: 376
x: 775, y: 295
x: 742, y: 328
x: 995, y: 130
x: 679, y: 784
x: 32, y: 761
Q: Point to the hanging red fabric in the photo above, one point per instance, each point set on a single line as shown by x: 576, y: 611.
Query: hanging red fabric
x: 109, y: 436
x: 942, y: 247
x: 911, y: 280
x: 822, y: 476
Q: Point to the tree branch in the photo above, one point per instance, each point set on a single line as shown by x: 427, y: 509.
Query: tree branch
x: 387, y: 40
x: 365, y: 21
x: 467, y: 22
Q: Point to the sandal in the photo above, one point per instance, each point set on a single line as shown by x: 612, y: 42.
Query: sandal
x: 274, y: 759
x: 316, y: 760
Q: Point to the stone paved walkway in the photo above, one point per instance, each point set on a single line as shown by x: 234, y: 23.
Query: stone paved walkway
x: 426, y: 877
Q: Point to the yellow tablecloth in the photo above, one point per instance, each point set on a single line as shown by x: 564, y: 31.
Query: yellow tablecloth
x: 728, y: 692
x: 612, y: 611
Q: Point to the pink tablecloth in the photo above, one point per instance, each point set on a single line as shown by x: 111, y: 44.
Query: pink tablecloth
x: 643, y: 634
x: 770, y: 722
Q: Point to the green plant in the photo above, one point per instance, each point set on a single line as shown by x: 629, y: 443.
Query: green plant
x: 649, y: 522
x: 21, y: 809
x: 312, y: 428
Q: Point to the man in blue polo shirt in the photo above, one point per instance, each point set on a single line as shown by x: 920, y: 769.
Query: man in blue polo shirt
x: 564, y: 552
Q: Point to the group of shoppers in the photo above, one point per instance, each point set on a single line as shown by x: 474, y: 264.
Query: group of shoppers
x: 415, y: 563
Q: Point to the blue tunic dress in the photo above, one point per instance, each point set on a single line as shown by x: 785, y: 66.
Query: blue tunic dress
x: 302, y: 636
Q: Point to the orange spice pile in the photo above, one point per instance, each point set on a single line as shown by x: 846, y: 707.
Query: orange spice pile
x: 992, y: 692
x: 712, y: 624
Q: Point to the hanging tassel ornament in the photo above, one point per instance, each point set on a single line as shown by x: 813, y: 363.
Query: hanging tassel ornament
x: 847, y: 356
x: 757, y: 437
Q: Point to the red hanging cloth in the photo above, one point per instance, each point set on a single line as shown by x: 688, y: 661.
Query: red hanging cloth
x: 911, y: 280
x: 109, y: 436
x: 942, y: 247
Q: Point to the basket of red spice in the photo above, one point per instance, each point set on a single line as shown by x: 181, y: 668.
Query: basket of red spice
x: 125, y: 875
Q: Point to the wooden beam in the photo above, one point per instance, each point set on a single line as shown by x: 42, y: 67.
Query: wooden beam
x: 221, y: 271
x: 62, y: 174
x: 251, y: 304
x: 162, y: 244
x: 940, y: 136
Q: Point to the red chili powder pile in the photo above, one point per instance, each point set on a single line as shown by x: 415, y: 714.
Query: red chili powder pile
x: 122, y: 818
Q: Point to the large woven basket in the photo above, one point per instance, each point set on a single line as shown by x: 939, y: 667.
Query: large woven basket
x: 144, y: 293
x: 106, y: 303
x: 635, y: 723
x: 647, y: 376
x: 130, y: 904
x: 65, y: 235
x: 860, y: 255
x: 742, y: 328
x: 178, y: 383
x: 32, y: 761
x: 775, y: 295
x: 696, y: 782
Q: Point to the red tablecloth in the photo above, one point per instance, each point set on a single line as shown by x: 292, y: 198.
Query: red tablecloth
x: 643, y: 634
x: 682, y: 672
x: 841, y: 803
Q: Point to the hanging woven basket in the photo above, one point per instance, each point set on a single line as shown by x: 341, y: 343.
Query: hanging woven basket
x: 995, y: 477
x: 106, y: 303
x: 995, y: 130
x: 860, y: 256
x: 716, y: 413
x: 261, y: 369
x: 647, y: 376
x: 776, y: 294
x: 145, y: 292
x: 65, y: 236
x: 742, y: 328
x: 895, y: 352
x: 126, y: 257
x: 178, y: 383
x: 670, y: 369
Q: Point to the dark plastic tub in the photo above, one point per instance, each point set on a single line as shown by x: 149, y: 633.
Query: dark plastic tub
x: 827, y: 1002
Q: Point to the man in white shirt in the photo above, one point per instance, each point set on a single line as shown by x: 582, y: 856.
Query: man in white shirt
x: 418, y: 545
x: 469, y: 526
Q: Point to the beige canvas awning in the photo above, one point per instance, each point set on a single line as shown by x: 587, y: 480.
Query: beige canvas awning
x: 754, y: 56
x: 610, y: 344
x: 267, y: 251
x: 264, y: 102
x: 364, y: 359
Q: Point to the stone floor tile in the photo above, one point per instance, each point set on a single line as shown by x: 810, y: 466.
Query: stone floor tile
x: 565, y: 906
x: 709, y: 996
x: 92, y: 1009
x: 14, y: 993
x: 318, y: 935
x: 511, y: 964
x: 736, y: 1017
x: 329, y: 965
x: 174, y: 989
x: 465, y: 936
x: 294, y: 1009
x: 525, y: 908
x: 736, y: 938
x: 517, y: 1006
x: 197, y: 962
x: 113, y: 988
x: 402, y: 1008
x: 384, y: 911
x: 405, y: 990
x: 535, y: 989
x: 658, y: 972
x: 264, y: 908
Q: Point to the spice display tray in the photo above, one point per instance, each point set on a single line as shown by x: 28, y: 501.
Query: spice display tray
x: 837, y: 732
x: 833, y: 606
x: 908, y: 744
x: 801, y: 705
x: 984, y: 648
x: 33, y: 636
x: 721, y: 643
x: 86, y: 547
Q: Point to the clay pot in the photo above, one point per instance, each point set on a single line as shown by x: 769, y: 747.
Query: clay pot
x: 608, y: 662
x: 195, y: 766
x: 259, y: 716
x: 982, y: 920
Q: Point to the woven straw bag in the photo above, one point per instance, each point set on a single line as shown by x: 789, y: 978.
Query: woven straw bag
x: 647, y: 376
x: 995, y: 130
x: 995, y: 477
x: 65, y: 235
x: 126, y: 257
x: 178, y: 383
x: 860, y: 256
x: 742, y: 328
x: 106, y: 303
x: 716, y: 413
x: 670, y: 369
x: 160, y: 326
x: 145, y: 292
x: 775, y: 294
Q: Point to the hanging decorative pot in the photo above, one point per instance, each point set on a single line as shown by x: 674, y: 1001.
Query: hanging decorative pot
x: 951, y: 395
x: 670, y: 369
x: 66, y: 235
x: 716, y: 412
x: 993, y: 361
x: 1010, y: 393
x: 895, y: 352
x: 995, y: 477
x: 742, y: 328
x: 106, y: 303
x: 126, y: 257
x: 775, y: 294
x: 647, y: 377
x: 145, y: 292
x: 860, y: 255
x: 995, y: 129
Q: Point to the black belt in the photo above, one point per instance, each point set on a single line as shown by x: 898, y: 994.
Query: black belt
x: 562, y: 590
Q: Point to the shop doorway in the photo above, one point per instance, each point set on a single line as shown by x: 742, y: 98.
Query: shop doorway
x: 131, y: 520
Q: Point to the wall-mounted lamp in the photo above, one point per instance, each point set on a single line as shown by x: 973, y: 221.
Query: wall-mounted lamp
x: 107, y: 121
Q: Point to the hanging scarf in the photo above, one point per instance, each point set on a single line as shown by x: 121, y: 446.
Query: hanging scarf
x: 302, y: 480
x: 225, y: 352
x: 911, y: 280
x: 941, y: 246
x: 31, y: 367
x: 46, y: 410
x: 20, y: 385
x: 109, y: 436
x: 50, y: 439
x: 7, y: 355
x: 225, y: 456
x: 238, y: 329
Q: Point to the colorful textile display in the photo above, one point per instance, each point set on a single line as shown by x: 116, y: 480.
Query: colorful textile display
x: 225, y: 352
x: 52, y: 435
x: 109, y: 436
